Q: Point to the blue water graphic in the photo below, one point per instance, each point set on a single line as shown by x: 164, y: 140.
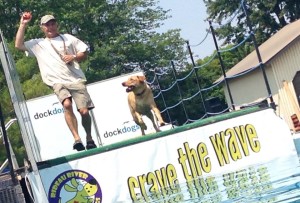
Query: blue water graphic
x: 274, y: 181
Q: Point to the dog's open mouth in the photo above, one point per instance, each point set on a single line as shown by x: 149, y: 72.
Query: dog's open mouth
x: 130, y: 88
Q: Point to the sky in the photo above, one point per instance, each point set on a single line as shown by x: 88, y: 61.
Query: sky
x: 189, y: 16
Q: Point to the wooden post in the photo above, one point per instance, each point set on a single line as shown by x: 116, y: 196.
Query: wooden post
x: 292, y: 101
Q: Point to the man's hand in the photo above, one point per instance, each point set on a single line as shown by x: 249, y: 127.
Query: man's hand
x: 26, y: 17
x: 68, y: 58
x: 79, y: 56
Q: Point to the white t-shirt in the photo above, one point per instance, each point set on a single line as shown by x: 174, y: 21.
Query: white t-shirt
x: 53, y: 69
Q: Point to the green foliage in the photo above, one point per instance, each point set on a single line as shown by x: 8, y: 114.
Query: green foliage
x: 121, y: 36
x: 15, y: 140
x: 266, y: 17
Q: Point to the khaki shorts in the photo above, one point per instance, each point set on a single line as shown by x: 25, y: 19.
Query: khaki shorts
x: 77, y: 91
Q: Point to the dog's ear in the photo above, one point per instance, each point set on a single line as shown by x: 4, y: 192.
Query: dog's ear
x: 142, y: 78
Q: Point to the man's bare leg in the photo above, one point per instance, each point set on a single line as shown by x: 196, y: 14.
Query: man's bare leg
x: 70, y: 118
x: 86, y: 122
x: 72, y: 124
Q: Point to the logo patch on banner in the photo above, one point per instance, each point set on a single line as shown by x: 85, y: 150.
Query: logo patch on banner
x: 74, y: 186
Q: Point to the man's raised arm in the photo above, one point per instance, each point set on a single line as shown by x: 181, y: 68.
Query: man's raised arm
x: 19, y: 43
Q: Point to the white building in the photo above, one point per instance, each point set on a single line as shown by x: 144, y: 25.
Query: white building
x: 281, y: 59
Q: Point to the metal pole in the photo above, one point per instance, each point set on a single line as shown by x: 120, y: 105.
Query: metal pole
x: 96, y: 128
x: 190, y: 52
x: 7, y: 148
x: 179, y: 90
x: 4, y: 165
x: 222, y: 65
x: 197, y: 77
x: 163, y: 98
x: 261, y: 65
x: 13, y: 156
x: 22, y: 114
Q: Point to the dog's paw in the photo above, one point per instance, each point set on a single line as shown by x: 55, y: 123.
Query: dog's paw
x: 162, y: 123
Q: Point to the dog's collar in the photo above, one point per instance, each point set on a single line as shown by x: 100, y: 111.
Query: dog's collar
x: 141, y: 93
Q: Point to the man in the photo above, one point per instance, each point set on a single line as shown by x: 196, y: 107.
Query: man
x: 58, y: 57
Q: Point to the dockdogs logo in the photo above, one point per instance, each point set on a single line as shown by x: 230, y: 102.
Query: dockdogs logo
x: 75, y: 186
x: 122, y: 130
x: 49, y: 112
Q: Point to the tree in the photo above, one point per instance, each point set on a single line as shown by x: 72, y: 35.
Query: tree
x: 120, y: 33
x: 267, y: 17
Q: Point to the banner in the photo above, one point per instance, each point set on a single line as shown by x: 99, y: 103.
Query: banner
x: 153, y: 169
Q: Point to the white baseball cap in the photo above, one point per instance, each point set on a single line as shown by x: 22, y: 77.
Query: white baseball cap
x: 47, y: 18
